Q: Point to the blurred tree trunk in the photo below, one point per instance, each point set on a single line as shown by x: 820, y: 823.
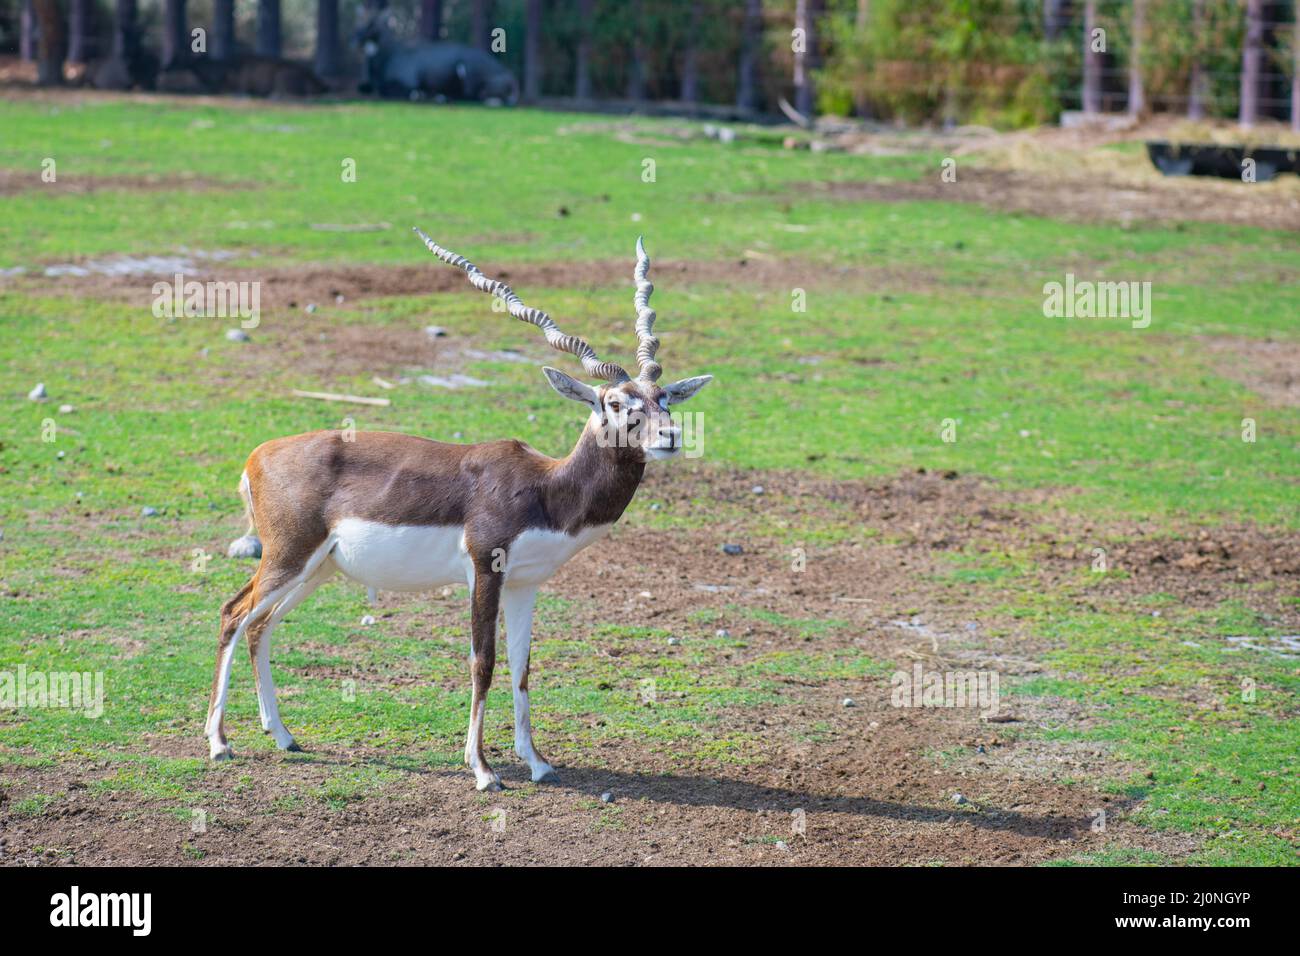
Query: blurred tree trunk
x: 124, y: 29
x: 806, y: 58
x: 431, y: 19
x: 222, y: 46
x: 582, y: 55
x: 532, y: 50
x: 1295, y: 72
x: 1052, y: 18
x: 79, y: 13
x: 1252, y: 55
x: 480, y: 32
x: 861, y: 105
x: 328, y: 61
x: 690, y: 91
x: 1092, y: 61
x: 1137, y: 100
x: 269, y: 33
x: 51, y: 44
x: 1197, y: 85
x: 751, y: 47
x: 27, y: 32
x: 365, y: 12
x: 175, y: 42
x: 636, y: 57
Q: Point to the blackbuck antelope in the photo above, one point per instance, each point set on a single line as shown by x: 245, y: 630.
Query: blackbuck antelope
x: 400, y: 513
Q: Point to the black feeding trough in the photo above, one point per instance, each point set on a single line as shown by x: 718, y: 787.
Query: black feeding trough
x: 1226, y: 162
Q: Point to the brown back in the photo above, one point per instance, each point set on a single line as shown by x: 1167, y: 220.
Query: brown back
x: 303, y: 485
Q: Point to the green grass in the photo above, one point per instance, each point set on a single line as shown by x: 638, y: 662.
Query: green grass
x: 33, y: 806
x: 1209, y: 730
x: 1116, y: 856
x: 945, y: 323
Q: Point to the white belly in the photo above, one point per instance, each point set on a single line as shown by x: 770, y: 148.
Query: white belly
x: 418, y: 557
x: 400, y: 557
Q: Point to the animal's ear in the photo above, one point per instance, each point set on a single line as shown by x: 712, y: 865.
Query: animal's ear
x: 680, y: 391
x: 570, y: 387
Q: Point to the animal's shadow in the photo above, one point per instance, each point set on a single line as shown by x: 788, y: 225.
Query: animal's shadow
x: 710, y: 791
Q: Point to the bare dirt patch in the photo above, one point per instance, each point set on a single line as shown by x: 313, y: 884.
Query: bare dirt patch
x: 1202, y: 563
x: 1090, y: 198
x: 1095, y: 172
x: 287, y: 288
x: 300, y: 325
x: 915, y: 524
x: 15, y: 181
x: 1269, y: 367
x: 867, y: 798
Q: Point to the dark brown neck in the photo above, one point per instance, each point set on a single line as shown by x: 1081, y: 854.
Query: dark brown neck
x: 595, y: 483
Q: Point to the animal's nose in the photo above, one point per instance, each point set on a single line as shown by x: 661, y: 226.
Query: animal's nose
x: 670, y: 437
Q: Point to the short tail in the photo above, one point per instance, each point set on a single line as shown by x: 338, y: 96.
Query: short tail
x: 249, y: 546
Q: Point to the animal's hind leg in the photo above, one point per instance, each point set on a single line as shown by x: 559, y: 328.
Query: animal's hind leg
x: 249, y: 608
x: 233, y: 613
x: 259, y: 650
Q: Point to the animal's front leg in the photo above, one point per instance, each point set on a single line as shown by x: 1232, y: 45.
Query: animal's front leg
x: 518, y: 605
x: 483, y: 651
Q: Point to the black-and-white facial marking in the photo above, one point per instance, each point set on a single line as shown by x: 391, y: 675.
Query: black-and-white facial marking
x: 632, y: 414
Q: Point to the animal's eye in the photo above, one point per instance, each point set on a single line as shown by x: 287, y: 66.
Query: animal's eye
x: 614, y: 407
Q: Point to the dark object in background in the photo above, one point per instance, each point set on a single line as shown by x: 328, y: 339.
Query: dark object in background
x: 1225, y: 162
x: 131, y: 65
x: 180, y: 76
x: 247, y: 75
x: 433, y: 70
x: 271, y: 76
x: 51, y: 43
x: 139, y: 70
